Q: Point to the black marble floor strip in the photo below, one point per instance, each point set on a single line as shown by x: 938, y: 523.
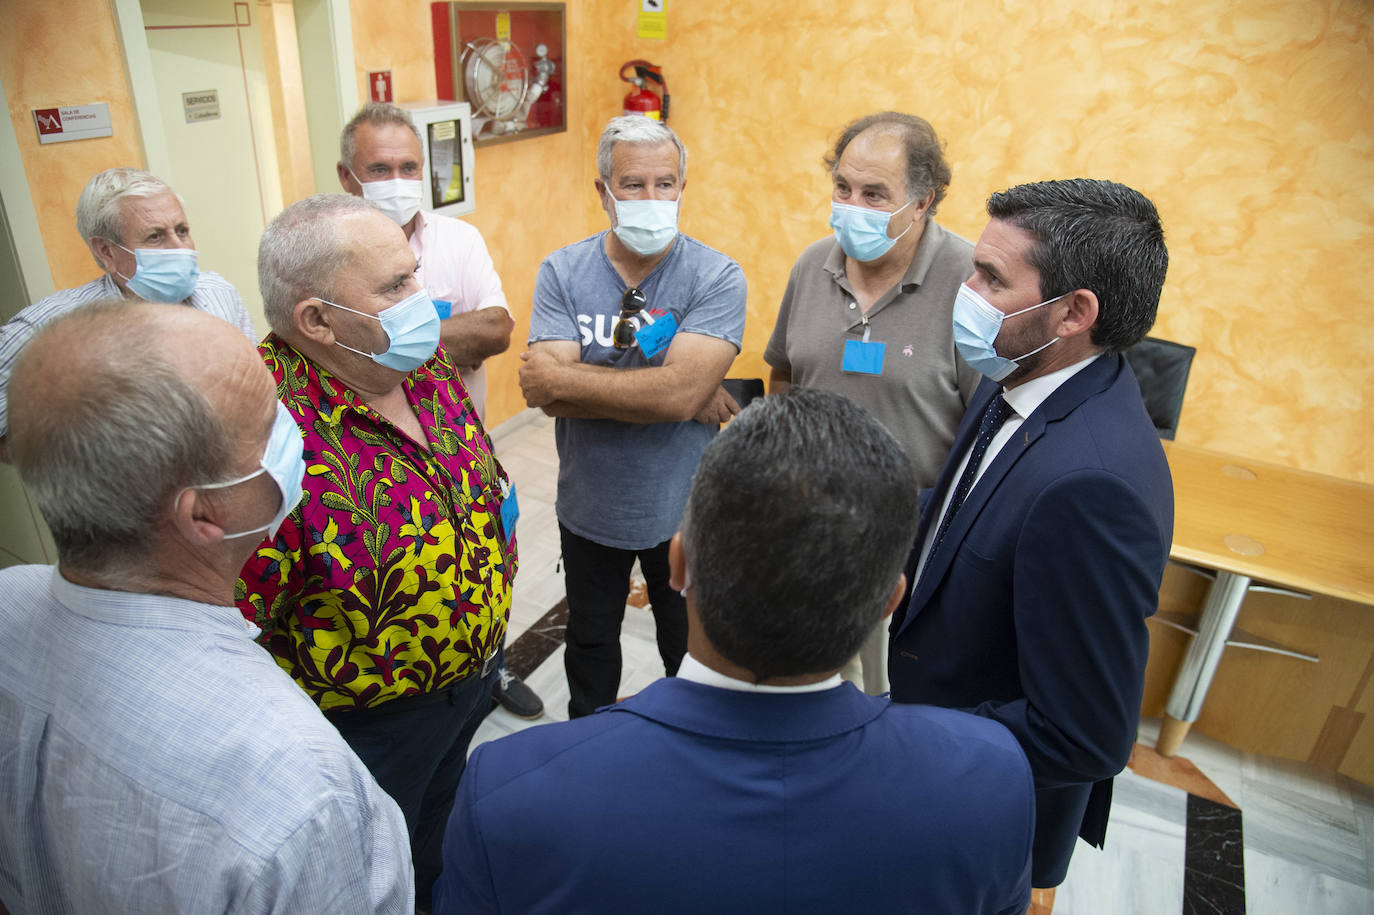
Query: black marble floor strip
x: 536, y: 643
x: 1213, y: 860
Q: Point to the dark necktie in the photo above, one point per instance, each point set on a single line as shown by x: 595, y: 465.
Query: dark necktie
x: 996, y: 413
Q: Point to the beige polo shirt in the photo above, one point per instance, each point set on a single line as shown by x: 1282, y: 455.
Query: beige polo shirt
x: 925, y: 384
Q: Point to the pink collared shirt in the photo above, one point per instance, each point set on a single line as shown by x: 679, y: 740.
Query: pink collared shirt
x: 455, y: 267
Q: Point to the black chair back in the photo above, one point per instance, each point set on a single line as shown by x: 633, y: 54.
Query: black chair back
x: 1161, y: 367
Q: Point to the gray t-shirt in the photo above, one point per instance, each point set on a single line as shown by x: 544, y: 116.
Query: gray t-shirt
x: 624, y: 484
x: 925, y: 385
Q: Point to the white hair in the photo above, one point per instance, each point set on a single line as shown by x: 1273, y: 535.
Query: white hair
x: 640, y: 131
x: 97, y: 210
x: 301, y: 252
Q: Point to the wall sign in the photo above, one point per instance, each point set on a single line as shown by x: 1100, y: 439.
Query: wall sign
x: 379, y: 85
x: 201, y: 106
x: 72, y: 122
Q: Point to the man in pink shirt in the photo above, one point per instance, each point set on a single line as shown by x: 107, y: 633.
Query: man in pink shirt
x: 381, y: 161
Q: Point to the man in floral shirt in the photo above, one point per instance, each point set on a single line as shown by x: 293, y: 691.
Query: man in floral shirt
x: 386, y: 592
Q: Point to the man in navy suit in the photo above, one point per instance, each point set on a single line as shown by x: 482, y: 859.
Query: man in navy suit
x: 755, y: 780
x: 1041, y: 548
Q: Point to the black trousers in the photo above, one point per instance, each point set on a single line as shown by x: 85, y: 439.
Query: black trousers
x: 416, y: 747
x: 598, y: 583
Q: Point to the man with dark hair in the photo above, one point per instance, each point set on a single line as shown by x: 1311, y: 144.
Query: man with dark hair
x: 152, y: 757
x: 756, y: 779
x: 867, y: 312
x: 1042, y: 547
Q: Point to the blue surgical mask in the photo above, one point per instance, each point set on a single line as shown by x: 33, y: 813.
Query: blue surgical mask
x: 862, y: 232
x: 976, y: 325
x: 284, y: 461
x: 646, y: 226
x: 412, y: 325
x: 163, y: 274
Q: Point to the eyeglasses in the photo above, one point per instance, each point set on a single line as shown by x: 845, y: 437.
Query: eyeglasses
x: 631, y: 303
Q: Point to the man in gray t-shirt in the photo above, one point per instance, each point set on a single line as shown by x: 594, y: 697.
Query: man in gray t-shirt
x: 868, y: 313
x: 631, y: 333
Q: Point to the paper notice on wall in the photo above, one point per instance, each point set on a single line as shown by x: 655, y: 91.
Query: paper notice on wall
x: 653, y: 19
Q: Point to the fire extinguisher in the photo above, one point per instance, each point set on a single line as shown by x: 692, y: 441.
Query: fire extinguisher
x: 642, y: 100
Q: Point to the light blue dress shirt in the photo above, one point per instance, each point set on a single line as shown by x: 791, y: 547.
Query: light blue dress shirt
x: 154, y: 758
x: 213, y: 295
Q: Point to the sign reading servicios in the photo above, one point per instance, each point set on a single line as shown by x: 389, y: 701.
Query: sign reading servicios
x: 201, y: 106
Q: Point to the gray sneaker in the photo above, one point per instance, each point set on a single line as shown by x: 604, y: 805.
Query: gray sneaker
x: 516, y: 697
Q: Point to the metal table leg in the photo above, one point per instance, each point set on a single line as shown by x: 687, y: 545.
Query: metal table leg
x: 1200, y: 663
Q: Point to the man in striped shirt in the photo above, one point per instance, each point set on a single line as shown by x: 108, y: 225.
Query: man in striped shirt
x: 135, y: 226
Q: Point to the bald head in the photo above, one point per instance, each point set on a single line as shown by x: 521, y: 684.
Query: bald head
x: 303, y: 250
x: 116, y: 406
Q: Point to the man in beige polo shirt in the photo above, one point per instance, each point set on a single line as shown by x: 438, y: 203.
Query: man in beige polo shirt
x: 867, y: 311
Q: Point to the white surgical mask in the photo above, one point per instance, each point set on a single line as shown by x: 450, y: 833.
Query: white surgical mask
x: 284, y: 461
x: 976, y: 325
x: 646, y: 227
x: 398, y: 198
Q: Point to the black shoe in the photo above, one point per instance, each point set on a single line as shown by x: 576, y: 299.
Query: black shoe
x: 515, y: 697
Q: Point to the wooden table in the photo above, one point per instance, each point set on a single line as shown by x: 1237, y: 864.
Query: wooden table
x: 1256, y: 525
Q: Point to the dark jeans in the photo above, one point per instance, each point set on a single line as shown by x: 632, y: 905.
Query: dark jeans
x: 598, y: 584
x: 416, y: 748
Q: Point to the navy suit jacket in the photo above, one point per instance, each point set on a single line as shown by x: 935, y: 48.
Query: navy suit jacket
x: 1032, y: 612
x: 690, y: 798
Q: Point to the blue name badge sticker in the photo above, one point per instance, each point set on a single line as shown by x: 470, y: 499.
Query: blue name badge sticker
x: 510, y: 513
x: 654, y: 338
x: 863, y: 358
x: 445, y: 309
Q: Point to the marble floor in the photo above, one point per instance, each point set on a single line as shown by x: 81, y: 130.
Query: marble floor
x: 1214, y: 830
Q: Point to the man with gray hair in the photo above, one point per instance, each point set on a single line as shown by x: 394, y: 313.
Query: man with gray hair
x: 380, y: 160
x: 152, y: 757
x: 631, y: 333
x: 756, y: 780
x: 137, y: 232
x: 386, y: 592
x: 867, y: 312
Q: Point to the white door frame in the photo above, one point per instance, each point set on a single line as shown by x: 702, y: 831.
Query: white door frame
x: 335, y: 31
x: 19, y: 211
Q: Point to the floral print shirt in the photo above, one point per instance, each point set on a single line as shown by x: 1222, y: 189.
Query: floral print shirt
x: 393, y: 575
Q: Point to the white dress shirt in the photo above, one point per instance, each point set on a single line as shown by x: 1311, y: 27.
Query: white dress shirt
x: 1023, y: 399
x: 697, y: 672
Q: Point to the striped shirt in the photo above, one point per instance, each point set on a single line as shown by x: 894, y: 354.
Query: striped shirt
x: 213, y: 295
x: 153, y: 758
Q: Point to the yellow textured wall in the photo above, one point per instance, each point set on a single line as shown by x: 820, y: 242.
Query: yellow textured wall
x: 65, y: 52
x: 1250, y: 125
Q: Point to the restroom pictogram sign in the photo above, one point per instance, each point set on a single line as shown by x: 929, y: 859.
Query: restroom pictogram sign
x: 379, y: 85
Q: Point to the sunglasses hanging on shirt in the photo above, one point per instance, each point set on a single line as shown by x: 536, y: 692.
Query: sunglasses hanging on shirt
x: 631, y: 303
